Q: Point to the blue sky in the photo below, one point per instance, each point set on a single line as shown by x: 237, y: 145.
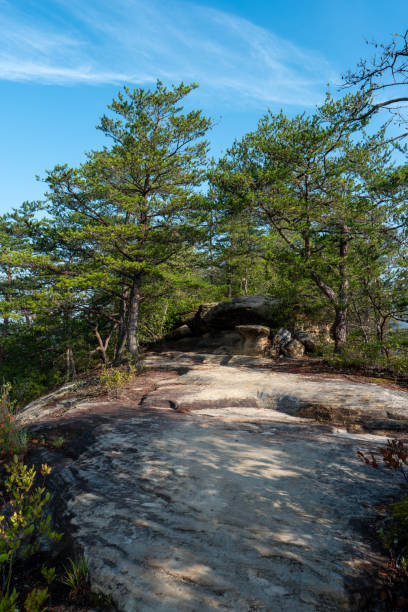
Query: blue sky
x: 62, y: 61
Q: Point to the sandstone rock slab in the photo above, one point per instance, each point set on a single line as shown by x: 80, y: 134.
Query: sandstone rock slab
x: 243, y: 310
x: 256, y: 339
x: 238, y: 504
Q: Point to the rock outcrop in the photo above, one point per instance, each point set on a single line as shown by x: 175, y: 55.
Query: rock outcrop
x: 246, y: 325
x: 256, y: 339
x: 319, y: 333
x: 308, y: 341
x: 294, y: 349
x: 210, y: 490
x: 253, y: 382
x: 243, y: 310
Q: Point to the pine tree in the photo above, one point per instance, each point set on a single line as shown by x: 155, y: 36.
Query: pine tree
x: 319, y: 191
x: 129, y: 203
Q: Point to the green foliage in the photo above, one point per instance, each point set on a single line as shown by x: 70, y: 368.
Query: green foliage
x: 35, y: 600
x: 399, y: 511
x: 13, y: 439
x: 394, y: 535
x: 322, y: 198
x: 389, y: 356
x: 105, y: 601
x: 49, y: 574
x: 5, y: 404
x: 22, y: 530
x: 112, y: 379
x: 310, y: 209
x: 394, y: 531
x: 8, y: 601
x: 128, y: 206
x: 76, y: 574
x: 57, y: 441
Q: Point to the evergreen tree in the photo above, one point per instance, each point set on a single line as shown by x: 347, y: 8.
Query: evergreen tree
x: 318, y: 190
x: 130, y: 202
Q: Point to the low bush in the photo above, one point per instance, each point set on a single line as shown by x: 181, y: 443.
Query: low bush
x: 13, y: 439
x: 24, y: 524
x: 76, y: 577
x: 394, y: 535
x: 393, y: 528
x: 112, y: 379
x: 373, y: 356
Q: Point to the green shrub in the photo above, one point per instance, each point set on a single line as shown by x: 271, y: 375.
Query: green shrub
x: 394, y: 535
x: 57, y: 441
x: 394, y: 531
x: 390, y: 356
x: 112, y: 379
x: 49, y: 574
x: 13, y: 439
x: 23, y: 528
x: 8, y: 601
x: 76, y: 576
x: 35, y: 600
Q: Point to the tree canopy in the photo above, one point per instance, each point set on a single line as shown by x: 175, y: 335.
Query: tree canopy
x: 311, y: 209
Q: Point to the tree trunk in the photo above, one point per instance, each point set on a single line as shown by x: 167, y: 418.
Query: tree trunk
x: 340, y: 320
x: 211, y: 248
x: 381, y: 328
x: 69, y: 354
x: 339, y: 328
x: 122, y: 333
x: 133, y: 321
x: 360, y: 321
x: 229, y: 282
x: 246, y: 281
x: 101, y: 346
x: 164, y: 317
x: 70, y: 364
x: 6, y: 321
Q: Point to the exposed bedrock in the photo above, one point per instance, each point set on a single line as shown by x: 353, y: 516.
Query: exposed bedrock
x: 244, y: 310
x: 219, y: 327
x: 204, y: 488
x: 327, y: 398
x: 256, y: 339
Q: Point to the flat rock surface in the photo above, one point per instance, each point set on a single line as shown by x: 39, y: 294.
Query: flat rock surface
x: 241, y: 380
x: 202, y: 488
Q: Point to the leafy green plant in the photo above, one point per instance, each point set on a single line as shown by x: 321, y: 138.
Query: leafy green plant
x: 394, y: 535
x: 22, y: 530
x: 114, y: 378
x: 8, y: 601
x: 49, y: 574
x: 390, y: 356
x: 57, y: 441
x: 394, y: 531
x: 105, y: 601
x: 76, y: 576
x: 35, y: 600
x: 13, y: 439
x: 5, y: 403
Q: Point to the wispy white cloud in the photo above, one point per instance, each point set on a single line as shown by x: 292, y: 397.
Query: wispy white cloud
x: 134, y: 41
x: 14, y: 70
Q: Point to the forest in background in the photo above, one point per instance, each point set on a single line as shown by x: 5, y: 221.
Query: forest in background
x: 311, y: 209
